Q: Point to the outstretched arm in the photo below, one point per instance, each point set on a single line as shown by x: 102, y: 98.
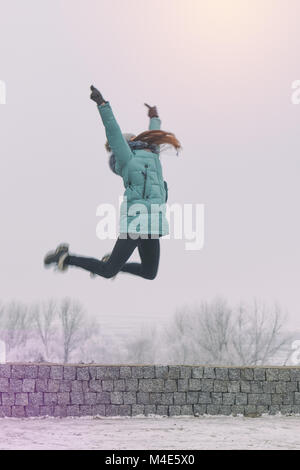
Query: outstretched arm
x: 115, y: 138
x: 155, y: 122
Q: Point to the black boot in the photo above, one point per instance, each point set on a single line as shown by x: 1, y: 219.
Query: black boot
x: 58, y: 257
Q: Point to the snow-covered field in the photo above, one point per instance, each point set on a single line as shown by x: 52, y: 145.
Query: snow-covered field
x: 209, y: 432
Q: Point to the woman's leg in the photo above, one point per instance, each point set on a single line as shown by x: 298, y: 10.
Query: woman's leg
x: 122, y: 251
x: 149, y: 250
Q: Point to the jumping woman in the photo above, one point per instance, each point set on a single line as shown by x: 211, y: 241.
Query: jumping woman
x: 142, y: 214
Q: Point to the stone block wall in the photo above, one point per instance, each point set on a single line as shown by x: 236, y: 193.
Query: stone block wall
x: 76, y: 390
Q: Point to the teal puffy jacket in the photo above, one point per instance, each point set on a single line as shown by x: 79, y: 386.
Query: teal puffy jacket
x: 143, y: 210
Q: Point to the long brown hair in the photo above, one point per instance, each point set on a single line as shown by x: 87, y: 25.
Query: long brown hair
x: 157, y: 137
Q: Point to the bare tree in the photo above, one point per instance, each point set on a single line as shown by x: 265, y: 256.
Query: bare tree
x: 16, y: 322
x: 142, y: 349
x: 44, y: 316
x: 71, y: 317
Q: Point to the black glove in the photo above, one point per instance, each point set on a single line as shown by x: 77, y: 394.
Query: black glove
x: 96, y: 96
x: 152, y: 111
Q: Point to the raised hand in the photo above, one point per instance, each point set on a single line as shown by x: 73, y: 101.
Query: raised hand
x: 96, y: 96
x: 152, y: 111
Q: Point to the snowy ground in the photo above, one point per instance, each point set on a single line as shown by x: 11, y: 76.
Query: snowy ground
x: 209, y: 432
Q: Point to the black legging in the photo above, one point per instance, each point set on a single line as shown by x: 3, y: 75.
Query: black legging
x: 149, y: 250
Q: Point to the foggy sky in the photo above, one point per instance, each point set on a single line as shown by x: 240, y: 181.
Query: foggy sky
x: 220, y: 74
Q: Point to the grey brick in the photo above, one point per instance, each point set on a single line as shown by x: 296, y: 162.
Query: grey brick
x: 18, y: 411
x: 47, y: 410
x: 44, y: 372
x: 98, y: 410
x: 220, y: 386
x: 155, y: 399
x: 70, y: 373
x: 183, y: 385
x: 149, y: 372
x: 31, y: 372
x: 296, y: 409
x: 60, y: 411
x: 77, y: 398
x: 269, y: 387
x: 143, y: 398
x: 64, y: 386
x: 167, y: 398
x: 245, y: 386
x: 284, y: 375
x: 170, y: 385
x: 204, y: 398
x: 185, y: 372
x: 192, y: 398
x: 241, y: 399
x: 116, y: 398
x: 50, y: 398
x: 250, y: 411
x: 93, y: 372
x: 288, y: 398
x: 237, y: 410
x: 125, y: 372
x: 107, y: 385
x: 53, y: 385
x: 259, y: 398
x: 291, y: 387
x: 95, y: 385
x: 8, y: 399
x: 35, y: 399
x: 174, y: 372
x: 73, y: 410
x: 272, y: 374
x: 32, y: 411
x: 195, y: 385
x: 103, y: 398
x: 274, y: 409
x: 83, y: 373
x: 109, y: 372
x: 286, y: 409
x: 162, y: 410
x: 85, y: 410
x: 297, y: 398
x: 28, y: 385
x: 256, y: 387
x: 247, y: 374
x: 21, y: 399
x: 262, y: 409
x: 129, y: 398
x: 137, y: 372
x: 179, y: 398
x: 131, y: 385
x: 186, y: 410
x: 5, y: 411
x: 5, y: 371
x: 41, y: 385
x: 4, y: 385
x: 295, y: 374
x: 259, y: 374
x: 225, y: 410
x: 233, y: 386
x: 174, y: 410
x: 15, y: 385
x: 56, y: 372
x: 213, y: 409
x: 137, y: 410
x: 216, y: 398
x: 221, y: 373
x: 234, y: 374
x: 209, y: 373
x: 150, y: 410
x: 119, y: 385
x: 197, y: 372
x: 228, y: 398
x: 17, y: 371
x: 117, y: 410
x: 207, y: 385
x: 90, y: 398
x: 161, y: 372
x: 200, y: 410
x: 63, y: 398
x: 151, y: 385
x: 281, y: 387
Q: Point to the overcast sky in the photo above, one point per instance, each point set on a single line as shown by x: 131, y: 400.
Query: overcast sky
x: 220, y: 74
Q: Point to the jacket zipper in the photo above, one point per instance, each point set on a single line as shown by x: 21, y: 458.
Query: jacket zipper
x: 145, y: 180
